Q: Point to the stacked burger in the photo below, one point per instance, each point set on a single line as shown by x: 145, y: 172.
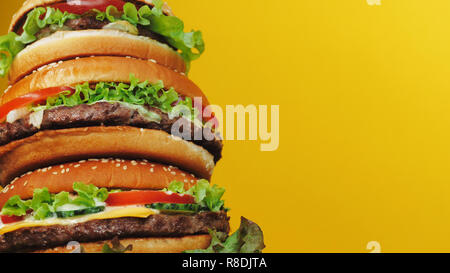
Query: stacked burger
x: 97, y: 146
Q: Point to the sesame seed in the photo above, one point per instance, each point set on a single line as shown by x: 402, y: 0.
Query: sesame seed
x: 82, y: 161
x: 152, y: 170
x: 185, y: 181
x: 67, y: 170
x: 183, y: 174
x: 125, y: 168
x: 12, y: 187
x: 95, y: 167
x: 173, y: 173
x: 63, y: 171
x: 118, y: 165
x: 105, y: 160
x: 165, y: 169
x: 62, y: 166
x: 55, y: 173
x: 76, y: 166
x: 134, y: 163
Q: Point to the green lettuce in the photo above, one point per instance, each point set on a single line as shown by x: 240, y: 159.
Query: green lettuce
x: 16, y: 206
x: 190, y: 44
x: 135, y: 93
x: 34, y: 23
x: 248, y: 238
x: 209, y: 197
x: 9, y: 48
x: 44, y: 204
x: 116, y: 247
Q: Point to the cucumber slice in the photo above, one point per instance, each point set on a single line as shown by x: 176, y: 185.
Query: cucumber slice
x: 73, y: 213
x: 175, y: 208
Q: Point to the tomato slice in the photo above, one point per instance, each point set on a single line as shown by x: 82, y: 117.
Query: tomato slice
x: 30, y: 98
x: 11, y: 219
x: 82, y: 6
x: 147, y: 197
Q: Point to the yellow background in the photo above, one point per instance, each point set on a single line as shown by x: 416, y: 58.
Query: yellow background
x: 364, y: 94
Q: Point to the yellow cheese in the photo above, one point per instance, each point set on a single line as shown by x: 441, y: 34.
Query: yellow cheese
x: 110, y: 213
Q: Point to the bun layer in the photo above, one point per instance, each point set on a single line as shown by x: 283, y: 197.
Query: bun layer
x: 103, y: 173
x: 102, y: 69
x: 59, y: 146
x: 145, y: 245
x: 64, y: 45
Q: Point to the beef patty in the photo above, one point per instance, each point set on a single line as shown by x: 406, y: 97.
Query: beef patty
x: 158, y: 225
x: 105, y: 114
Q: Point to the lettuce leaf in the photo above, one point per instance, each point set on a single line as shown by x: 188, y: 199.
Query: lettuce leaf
x: 135, y: 93
x: 248, y: 238
x: 44, y: 204
x: 209, y: 197
x: 16, y: 206
x: 41, y: 204
x: 190, y: 44
x: 88, y: 194
x: 9, y: 48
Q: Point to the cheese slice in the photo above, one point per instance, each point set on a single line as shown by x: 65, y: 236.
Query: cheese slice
x: 110, y: 213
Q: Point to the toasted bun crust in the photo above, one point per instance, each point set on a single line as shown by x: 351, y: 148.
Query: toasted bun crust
x: 97, y: 69
x: 102, y: 42
x: 103, y: 173
x: 31, y: 4
x: 143, y: 245
x: 59, y: 146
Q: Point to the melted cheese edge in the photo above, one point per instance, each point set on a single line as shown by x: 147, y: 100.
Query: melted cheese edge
x: 137, y: 212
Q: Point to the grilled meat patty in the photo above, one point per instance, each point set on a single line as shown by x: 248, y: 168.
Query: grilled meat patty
x: 158, y: 225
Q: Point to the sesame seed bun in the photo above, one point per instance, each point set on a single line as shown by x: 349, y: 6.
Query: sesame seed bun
x: 102, y: 69
x: 59, y: 146
x: 31, y: 4
x: 60, y: 46
x: 103, y: 173
x: 145, y: 245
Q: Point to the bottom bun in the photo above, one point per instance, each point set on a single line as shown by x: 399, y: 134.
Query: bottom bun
x: 141, y: 245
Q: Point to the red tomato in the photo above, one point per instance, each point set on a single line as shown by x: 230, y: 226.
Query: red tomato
x: 30, y: 98
x: 147, y: 197
x: 83, y: 6
x: 11, y: 219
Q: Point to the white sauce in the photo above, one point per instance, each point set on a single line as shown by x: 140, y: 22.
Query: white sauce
x: 36, y: 118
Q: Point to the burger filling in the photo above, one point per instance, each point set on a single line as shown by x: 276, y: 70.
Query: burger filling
x: 93, y: 214
x: 138, y: 104
x: 137, y: 19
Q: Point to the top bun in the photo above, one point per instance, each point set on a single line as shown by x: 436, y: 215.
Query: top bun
x: 31, y: 4
x: 103, y: 173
